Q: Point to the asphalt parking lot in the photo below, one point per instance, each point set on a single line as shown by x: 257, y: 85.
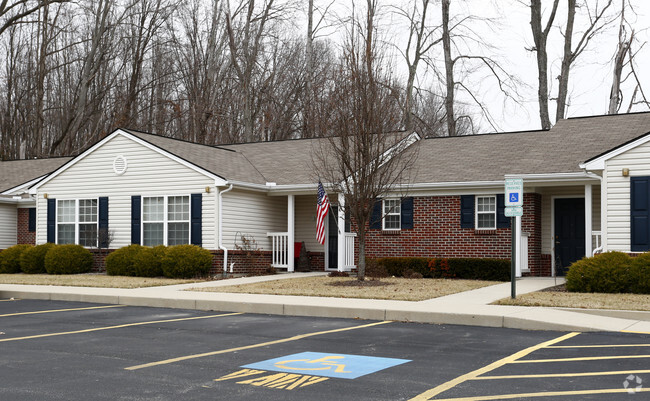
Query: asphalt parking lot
x: 53, y: 350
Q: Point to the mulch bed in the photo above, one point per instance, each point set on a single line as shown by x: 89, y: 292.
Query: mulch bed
x: 557, y: 288
x: 357, y: 283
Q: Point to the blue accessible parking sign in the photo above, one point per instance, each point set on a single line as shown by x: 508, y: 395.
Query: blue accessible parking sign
x: 341, y: 366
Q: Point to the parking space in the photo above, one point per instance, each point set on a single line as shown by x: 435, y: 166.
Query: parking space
x: 66, y: 350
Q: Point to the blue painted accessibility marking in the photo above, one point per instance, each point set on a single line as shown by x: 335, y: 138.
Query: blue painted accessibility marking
x: 514, y: 197
x: 341, y: 366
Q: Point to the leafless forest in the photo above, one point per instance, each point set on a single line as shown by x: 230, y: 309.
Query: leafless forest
x: 226, y: 71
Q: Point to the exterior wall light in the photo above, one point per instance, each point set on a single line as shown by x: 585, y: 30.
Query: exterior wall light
x: 45, y: 196
x: 626, y: 172
x: 207, y: 190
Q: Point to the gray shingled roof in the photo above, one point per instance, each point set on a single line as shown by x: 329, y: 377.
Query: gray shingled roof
x: 561, y: 150
x: 18, y: 172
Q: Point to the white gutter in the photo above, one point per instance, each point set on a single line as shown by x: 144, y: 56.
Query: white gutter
x: 223, y: 248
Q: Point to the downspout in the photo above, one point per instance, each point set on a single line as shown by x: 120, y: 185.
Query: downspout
x: 223, y: 248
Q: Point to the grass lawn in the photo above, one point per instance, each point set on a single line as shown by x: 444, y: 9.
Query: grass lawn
x: 394, y: 288
x: 89, y: 280
x: 581, y: 300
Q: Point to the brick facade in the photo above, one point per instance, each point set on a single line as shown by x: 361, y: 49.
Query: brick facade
x: 437, y: 233
x: 23, y: 235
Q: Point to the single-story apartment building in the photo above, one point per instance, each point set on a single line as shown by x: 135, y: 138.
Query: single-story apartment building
x: 586, y: 190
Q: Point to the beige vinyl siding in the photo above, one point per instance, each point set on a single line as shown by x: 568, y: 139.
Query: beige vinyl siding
x: 149, y: 173
x: 306, y: 222
x: 548, y: 194
x: 253, y: 214
x: 8, y: 225
x: 618, y: 194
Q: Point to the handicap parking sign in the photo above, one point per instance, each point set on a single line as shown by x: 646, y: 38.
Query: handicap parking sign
x: 341, y: 366
x: 514, y: 197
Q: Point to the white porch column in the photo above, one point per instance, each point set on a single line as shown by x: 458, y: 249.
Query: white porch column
x: 588, y: 220
x: 518, y: 246
x: 291, y: 231
x: 341, y: 234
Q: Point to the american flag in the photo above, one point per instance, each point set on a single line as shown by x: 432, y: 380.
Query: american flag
x: 321, y: 212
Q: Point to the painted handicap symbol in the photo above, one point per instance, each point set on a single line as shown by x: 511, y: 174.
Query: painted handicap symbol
x: 342, y: 366
x: 324, y: 362
x: 514, y: 197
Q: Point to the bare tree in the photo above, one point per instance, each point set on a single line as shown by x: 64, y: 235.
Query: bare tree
x: 366, y: 158
x: 15, y: 11
x: 540, y: 38
x: 597, y: 21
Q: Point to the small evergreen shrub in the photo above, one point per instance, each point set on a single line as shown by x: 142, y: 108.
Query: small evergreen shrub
x: 68, y: 259
x: 640, y: 270
x: 609, y: 272
x: 462, y: 268
x: 148, y: 262
x: 338, y: 274
x: 10, y: 258
x: 121, y: 262
x: 32, y: 261
x: 186, y: 261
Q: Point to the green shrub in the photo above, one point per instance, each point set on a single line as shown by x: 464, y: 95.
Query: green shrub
x: 148, y: 262
x: 68, y: 259
x: 32, y: 261
x: 186, y: 261
x: 10, y: 258
x: 121, y: 262
x: 609, y: 272
x: 640, y: 270
x: 462, y: 268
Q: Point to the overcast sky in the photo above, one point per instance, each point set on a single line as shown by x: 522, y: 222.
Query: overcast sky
x: 510, y: 34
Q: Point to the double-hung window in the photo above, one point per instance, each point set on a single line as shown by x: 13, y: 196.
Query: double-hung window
x: 77, y: 222
x: 486, y: 212
x: 392, y: 214
x: 165, y: 220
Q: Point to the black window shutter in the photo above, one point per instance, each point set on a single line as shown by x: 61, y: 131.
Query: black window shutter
x: 407, y: 213
x: 196, y: 231
x: 31, y: 226
x: 51, y: 220
x: 375, y: 217
x: 467, y: 211
x: 347, y: 221
x: 502, y: 220
x: 103, y: 222
x: 136, y: 205
x: 640, y: 214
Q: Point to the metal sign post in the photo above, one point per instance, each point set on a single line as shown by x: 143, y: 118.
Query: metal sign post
x: 513, y: 281
x: 514, y: 201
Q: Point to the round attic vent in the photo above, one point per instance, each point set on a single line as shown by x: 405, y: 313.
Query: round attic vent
x: 119, y: 165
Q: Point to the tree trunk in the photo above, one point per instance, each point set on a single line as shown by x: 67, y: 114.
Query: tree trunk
x: 540, y: 36
x: 567, y: 59
x: 449, y: 70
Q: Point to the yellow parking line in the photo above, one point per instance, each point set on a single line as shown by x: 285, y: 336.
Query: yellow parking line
x: 427, y: 395
x: 600, y: 346
x: 635, y: 332
x: 224, y: 351
x: 116, y: 327
x: 543, y: 394
x: 9, y: 300
x: 618, y: 372
x: 61, y: 310
x: 586, y: 358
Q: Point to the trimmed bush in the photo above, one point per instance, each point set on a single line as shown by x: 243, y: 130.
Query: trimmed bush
x: 10, y: 258
x: 32, y: 261
x: 609, y: 272
x: 640, y: 270
x: 121, y: 262
x: 148, y: 262
x: 186, y: 261
x: 462, y: 268
x: 68, y: 259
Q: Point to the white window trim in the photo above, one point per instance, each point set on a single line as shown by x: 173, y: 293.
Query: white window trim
x: 165, y: 220
x: 476, y: 212
x: 383, y: 220
x: 76, y: 220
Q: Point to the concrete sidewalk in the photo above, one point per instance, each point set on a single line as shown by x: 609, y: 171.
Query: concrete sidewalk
x: 467, y: 308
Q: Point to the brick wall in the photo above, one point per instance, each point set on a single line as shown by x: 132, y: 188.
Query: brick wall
x: 436, y: 233
x: 24, y: 236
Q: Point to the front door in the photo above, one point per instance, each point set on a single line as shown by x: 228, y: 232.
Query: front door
x: 332, y: 239
x: 569, y: 233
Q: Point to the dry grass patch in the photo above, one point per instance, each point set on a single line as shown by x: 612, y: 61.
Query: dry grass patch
x: 89, y: 280
x: 394, y: 288
x: 581, y: 300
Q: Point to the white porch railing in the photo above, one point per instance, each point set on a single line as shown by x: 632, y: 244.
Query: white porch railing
x: 349, y: 250
x: 280, y: 247
x: 597, y: 242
